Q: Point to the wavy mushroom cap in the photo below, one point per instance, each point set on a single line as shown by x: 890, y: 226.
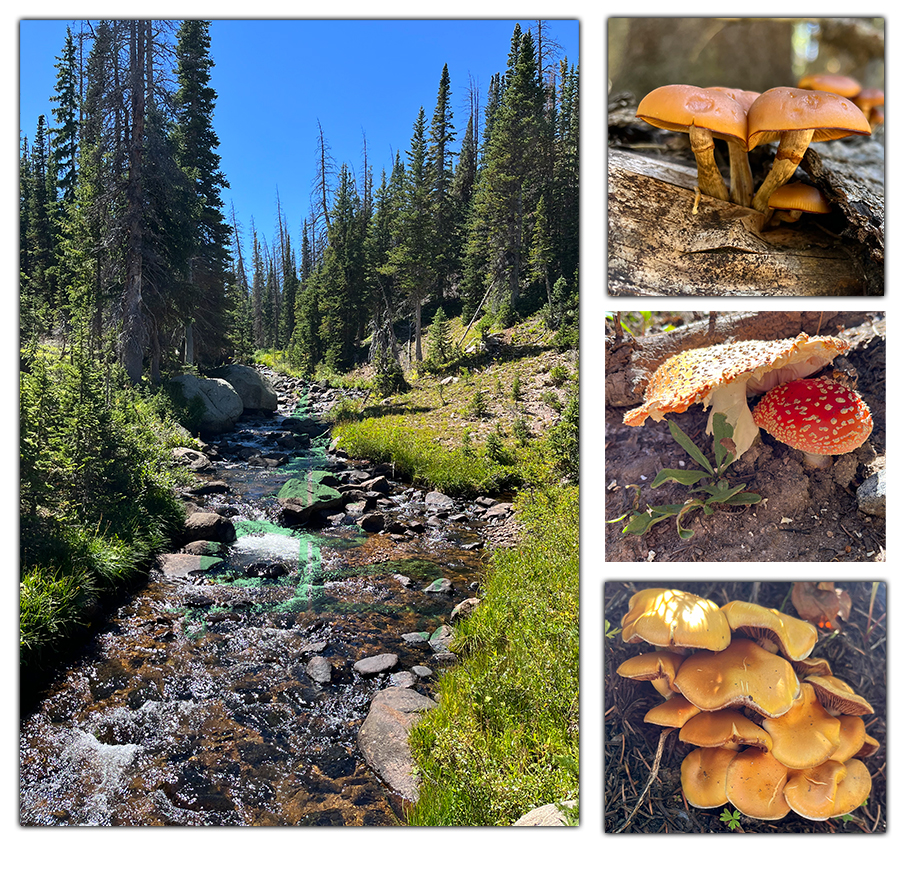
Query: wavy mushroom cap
x: 673, y: 713
x: 659, y: 668
x: 828, y: 790
x: 725, y: 728
x: 852, y: 740
x: 744, y: 674
x: 838, y: 697
x: 669, y: 617
x: 678, y: 107
x: 754, y: 784
x: 784, y: 109
x: 774, y: 630
x: 806, y: 735
x: 818, y: 416
x: 694, y: 375
x: 703, y: 774
x: 798, y: 196
x: 809, y: 667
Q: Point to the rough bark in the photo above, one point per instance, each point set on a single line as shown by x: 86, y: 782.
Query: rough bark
x: 630, y: 361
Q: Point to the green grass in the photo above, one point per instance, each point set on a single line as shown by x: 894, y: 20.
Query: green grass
x: 504, y: 737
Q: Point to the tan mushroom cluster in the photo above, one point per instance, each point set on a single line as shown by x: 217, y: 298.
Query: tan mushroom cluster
x: 792, y: 117
x: 774, y: 730
x: 819, y: 418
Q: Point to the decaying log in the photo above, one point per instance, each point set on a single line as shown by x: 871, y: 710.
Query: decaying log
x: 630, y: 361
x: 664, y: 242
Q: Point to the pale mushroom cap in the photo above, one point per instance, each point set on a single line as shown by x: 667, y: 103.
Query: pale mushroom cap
x: 678, y: 107
x: 669, y: 617
x: 816, y: 416
x: 694, y: 375
x: 828, y: 790
x: 754, y: 784
x: 743, y: 674
x: 798, y: 196
x: 703, y: 774
x: 806, y: 735
x: 725, y: 728
x: 838, y: 697
x: 658, y: 667
x: 784, y: 109
x: 792, y: 637
x: 837, y: 83
x: 673, y: 712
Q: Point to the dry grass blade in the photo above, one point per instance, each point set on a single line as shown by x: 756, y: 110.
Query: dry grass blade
x: 653, y: 773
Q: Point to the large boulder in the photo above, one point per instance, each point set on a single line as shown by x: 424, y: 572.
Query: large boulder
x: 222, y: 406
x: 256, y: 392
x: 304, y: 498
x: 384, y: 737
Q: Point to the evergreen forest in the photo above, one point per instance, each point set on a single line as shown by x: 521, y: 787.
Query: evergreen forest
x: 134, y: 269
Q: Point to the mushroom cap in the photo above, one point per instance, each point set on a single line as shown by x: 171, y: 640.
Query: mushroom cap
x: 806, y: 735
x: 744, y: 97
x: 818, y: 416
x: 828, y: 790
x: 678, y: 107
x: 807, y: 667
x: 725, y: 728
x: 703, y: 774
x: 838, y: 697
x: 673, y: 712
x: 694, y: 375
x: 870, y: 746
x: 853, y: 738
x: 784, y: 109
x: 798, y: 196
x: 658, y: 667
x: 837, y: 83
x: 868, y: 99
x: 754, y: 784
x: 669, y: 617
x: 792, y: 637
x: 744, y: 674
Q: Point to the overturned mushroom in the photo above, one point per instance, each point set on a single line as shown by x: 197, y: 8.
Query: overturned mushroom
x: 797, y: 117
x: 819, y: 417
x: 722, y: 376
x: 773, y: 630
x: 838, y: 697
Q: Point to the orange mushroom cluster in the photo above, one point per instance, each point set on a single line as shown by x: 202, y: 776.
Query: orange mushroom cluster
x: 869, y: 101
x: 774, y: 730
x: 794, y: 117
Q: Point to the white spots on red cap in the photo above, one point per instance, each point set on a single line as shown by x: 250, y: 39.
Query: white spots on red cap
x: 815, y: 416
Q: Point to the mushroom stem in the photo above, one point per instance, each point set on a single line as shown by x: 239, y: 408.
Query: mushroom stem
x: 732, y: 401
x: 741, y: 176
x: 790, y: 151
x: 708, y: 175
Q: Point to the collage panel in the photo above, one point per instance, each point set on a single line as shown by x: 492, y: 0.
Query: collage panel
x: 745, y: 437
x: 733, y: 173
x: 748, y: 707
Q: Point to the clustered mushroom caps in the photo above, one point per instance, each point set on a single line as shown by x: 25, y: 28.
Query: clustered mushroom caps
x: 769, y: 738
x: 795, y: 117
x: 869, y: 101
x: 722, y: 376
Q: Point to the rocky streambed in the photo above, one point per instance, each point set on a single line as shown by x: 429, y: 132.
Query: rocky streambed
x: 270, y: 669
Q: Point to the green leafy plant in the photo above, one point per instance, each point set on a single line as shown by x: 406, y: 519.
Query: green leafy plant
x: 609, y: 631
x: 731, y: 818
x: 710, y: 487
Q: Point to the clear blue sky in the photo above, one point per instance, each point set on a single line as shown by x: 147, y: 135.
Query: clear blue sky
x: 276, y: 80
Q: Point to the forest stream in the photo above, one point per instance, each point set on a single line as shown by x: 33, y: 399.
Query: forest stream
x: 225, y: 694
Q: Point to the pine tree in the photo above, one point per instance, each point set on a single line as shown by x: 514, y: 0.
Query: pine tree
x: 64, y: 141
x: 440, y: 168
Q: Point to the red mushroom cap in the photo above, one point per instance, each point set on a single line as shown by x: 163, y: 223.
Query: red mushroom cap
x: 816, y: 416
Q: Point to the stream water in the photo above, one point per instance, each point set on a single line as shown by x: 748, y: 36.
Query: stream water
x: 193, y: 704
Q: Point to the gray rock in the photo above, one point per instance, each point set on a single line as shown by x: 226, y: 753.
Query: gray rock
x: 376, y: 664
x: 545, y: 816
x: 191, y: 459
x: 174, y: 566
x: 440, y: 586
x: 319, y: 669
x: 222, y: 406
x: 371, y: 523
x: 404, y: 679
x: 255, y: 391
x: 416, y: 637
x: 207, y: 525
x: 441, y: 638
x: 422, y: 671
x: 871, y: 497
x: 434, y: 499
x: 384, y: 737
x: 464, y: 609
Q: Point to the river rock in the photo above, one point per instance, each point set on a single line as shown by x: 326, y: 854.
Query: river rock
x: 204, y: 546
x: 191, y: 459
x: 301, y: 499
x: 207, y: 489
x: 871, y: 497
x: 255, y: 391
x: 372, y: 522
x: 207, y: 525
x: 222, y: 406
x: 179, y: 566
x: 434, y: 499
x: 464, y: 609
x: 414, y: 638
x: 440, y: 586
x: 441, y: 638
x: 500, y: 510
x: 319, y: 669
x: 384, y: 737
x: 404, y: 679
x: 422, y: 671
x: 376, y: 664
